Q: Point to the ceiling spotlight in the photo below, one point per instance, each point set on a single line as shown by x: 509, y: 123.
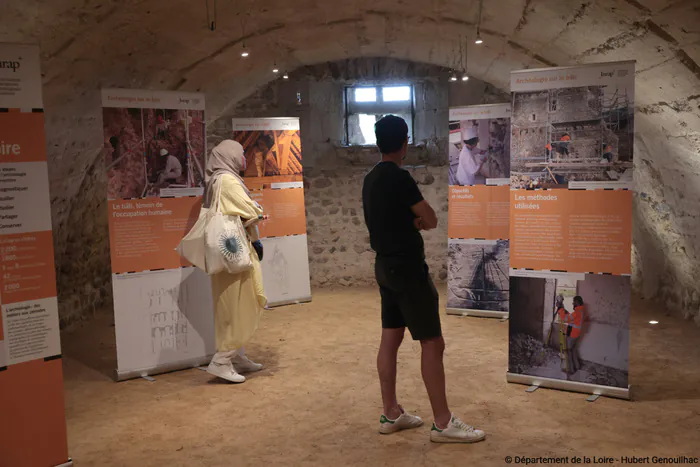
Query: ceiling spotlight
x: 285, y: 75
x: 478, y: 40
x: 453, y: 78
x: 653, y: 322
x: 245, y: 52
x: 465, y: 77
x: 275, y: 69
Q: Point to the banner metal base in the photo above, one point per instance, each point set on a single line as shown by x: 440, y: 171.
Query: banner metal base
x: 66, y: 464
x: 123, y: 375
x: 295, y: 301
x: 573, y: 386
x: 477, y: 313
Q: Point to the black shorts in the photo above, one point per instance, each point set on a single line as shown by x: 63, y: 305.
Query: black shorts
x: 409, y: 297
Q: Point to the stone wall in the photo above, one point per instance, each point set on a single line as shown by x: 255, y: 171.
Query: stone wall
x: 339, y: 251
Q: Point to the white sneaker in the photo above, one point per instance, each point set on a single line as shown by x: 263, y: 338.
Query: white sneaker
x: 456, y: 432
x: 245, y: 365
x: 225, y: 371
x: 406, y: 421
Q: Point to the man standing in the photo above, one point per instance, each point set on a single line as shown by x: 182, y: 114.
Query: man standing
x: 574, y: 321
x: 470, y: 160
x: 395, y: 212
x: 173, y: 168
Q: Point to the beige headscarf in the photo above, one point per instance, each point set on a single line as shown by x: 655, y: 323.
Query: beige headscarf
x: 226, y: 158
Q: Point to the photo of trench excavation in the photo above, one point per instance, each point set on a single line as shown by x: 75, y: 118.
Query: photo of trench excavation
x: 569, y: 329
x: 478, y: 276
x: 491, y: 157
x: 579, y: 134
x: 149, y: 150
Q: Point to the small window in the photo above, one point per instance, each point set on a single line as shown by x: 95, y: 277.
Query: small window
x: 365, y: 105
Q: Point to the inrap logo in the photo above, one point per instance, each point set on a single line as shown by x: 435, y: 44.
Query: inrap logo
x: 184, y: 101
x: 604, y: 74
x: 9, y: 64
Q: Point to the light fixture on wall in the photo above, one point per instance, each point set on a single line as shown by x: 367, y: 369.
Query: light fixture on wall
x: 479, y: 40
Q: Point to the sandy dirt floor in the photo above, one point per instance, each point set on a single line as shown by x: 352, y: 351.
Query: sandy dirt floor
x: 318, y: 402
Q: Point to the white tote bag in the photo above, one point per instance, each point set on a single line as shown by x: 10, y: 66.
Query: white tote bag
x: 217, y: 242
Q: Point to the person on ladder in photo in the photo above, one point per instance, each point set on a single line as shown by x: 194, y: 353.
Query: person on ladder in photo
x: 239, y: 299
x: 172, y: 171
x: 574, y: 324
x: 395, y: 213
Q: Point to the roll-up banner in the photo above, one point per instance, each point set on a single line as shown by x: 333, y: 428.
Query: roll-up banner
x: 479, y: 171
x: 571, y: 227
x: 32, y: 407
x: 155, y: 147
x: 274, y: 175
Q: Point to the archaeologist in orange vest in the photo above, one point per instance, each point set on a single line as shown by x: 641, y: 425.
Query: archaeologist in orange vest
x: 563, y: 146
x: 607, y: 154
x: 574, y: 322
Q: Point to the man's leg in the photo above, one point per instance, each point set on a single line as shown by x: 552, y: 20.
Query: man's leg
x: 386, y: 367
x: 433, y: 372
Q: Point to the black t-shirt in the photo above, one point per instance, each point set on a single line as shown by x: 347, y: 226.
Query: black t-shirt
x: 387, y: 196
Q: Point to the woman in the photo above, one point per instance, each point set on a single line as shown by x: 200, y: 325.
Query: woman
x: 239, y: 299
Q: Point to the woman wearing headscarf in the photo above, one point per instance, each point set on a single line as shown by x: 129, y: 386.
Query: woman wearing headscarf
x: 239, y: 299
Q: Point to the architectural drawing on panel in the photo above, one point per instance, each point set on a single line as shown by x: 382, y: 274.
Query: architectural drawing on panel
x: 279, y: 267
x: 169, y: 325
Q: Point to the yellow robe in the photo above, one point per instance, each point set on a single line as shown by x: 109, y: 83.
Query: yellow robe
x: 239, y: 299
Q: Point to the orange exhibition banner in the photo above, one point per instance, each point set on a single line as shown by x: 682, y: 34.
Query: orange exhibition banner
x: 585, y: 231
x: 478, y: 211
x: 32, y: 407
x: 145, y: 232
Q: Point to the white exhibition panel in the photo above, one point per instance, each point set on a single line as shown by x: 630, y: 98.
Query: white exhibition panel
x: 163, y: 319
x: 31, y: 331
x: 20, y: 77
x: 285, y: 268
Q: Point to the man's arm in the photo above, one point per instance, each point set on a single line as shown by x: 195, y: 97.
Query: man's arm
x: 426, y: 217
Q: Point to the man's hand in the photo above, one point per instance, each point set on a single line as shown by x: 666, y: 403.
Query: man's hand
x: 419, y: 223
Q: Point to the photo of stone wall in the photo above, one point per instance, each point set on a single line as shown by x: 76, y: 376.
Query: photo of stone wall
x: 538, y: 344
x: 478, y: 275
x: 581, y: 134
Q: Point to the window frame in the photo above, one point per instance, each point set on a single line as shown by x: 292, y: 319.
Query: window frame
x: 377, y: 107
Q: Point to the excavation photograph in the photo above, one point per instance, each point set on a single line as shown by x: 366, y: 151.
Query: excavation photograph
x: 478, y: 275
x: 571, y: 329
x: 479, y: 150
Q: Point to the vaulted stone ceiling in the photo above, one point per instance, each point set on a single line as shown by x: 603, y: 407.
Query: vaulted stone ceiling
x: 166, y: 44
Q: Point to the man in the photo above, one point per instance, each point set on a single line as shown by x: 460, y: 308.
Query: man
x: 395, y: 212
x: 470, y: 162
x: 173, y: 168
x: 574, y: 322
x: 607, y: 154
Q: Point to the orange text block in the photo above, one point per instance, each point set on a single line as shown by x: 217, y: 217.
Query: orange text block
x: 478, y: 211
x: 143, y: 233
x: 22, y: 137
x: 33, y: 408
x: 571, y: 230
x: 27, y: 267
x: 285, y: 210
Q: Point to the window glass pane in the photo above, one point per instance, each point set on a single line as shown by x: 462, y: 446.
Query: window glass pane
x: 396, y: 93
x: 367, y: 128
x: 365, y: 94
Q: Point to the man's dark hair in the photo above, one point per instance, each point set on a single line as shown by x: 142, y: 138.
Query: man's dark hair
x: 392, y: 133
x: 578, y: 300
x: 472, y: 142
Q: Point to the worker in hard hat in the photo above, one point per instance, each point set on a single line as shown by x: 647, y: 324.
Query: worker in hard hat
x: 470, y: 158
x: 574, y: 324
x: 173, y: 168
x: 563, y: 145
x: 607, y: 154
